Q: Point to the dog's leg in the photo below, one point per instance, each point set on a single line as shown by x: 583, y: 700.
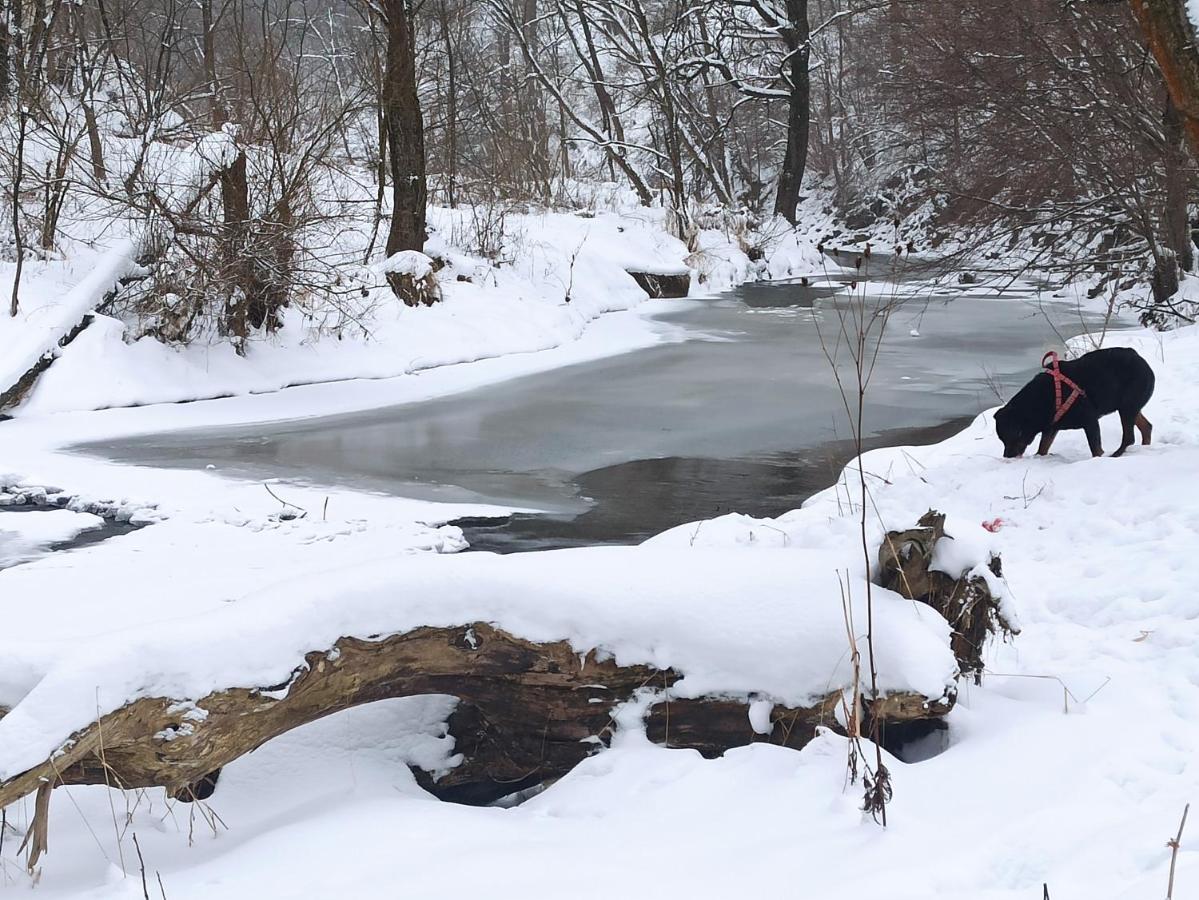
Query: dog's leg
x: 1094, y: 438
x: 1145, y: 427
x: 1127, y: 418
x: 1047, y: 437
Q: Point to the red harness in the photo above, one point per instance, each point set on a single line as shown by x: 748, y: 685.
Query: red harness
x: 1060, y: 408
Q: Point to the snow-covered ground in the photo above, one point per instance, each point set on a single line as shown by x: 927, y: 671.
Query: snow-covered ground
x: 1069, y: 766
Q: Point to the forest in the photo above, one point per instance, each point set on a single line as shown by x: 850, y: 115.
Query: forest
x: 259, y: 147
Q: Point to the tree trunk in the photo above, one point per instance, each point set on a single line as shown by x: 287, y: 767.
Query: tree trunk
x: 208, y: 51
x: 611, y: 119
x: 18, y: 234
x: 1178, y: 233
x: 87, y: 97
x: 94, y: 144
x: 531, y: 106
x: 235, y: 204
x: 612, y: 138
x: 795, y: 158
x: 5, y: 53
x: 405, y: 138
x: 1171, y: 39
x: 451, y: 107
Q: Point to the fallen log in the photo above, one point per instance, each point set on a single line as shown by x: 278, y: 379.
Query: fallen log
x: 36, y: 349
x: 663, y: 285
x: 527, y: 712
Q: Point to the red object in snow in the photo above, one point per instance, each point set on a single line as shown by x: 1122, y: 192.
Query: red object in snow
x: 994, y: 525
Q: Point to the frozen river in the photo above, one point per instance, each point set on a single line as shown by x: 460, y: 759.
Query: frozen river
x: 745, y: 415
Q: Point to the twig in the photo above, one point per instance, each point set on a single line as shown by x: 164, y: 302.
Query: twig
x: 284, y: 502
x: 1174, y: 846
x: 141, y: 864
x: 1067, y: 694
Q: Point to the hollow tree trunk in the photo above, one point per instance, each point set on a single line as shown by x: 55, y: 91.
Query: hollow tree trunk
x: 796, y: 39
x: 527, y: 712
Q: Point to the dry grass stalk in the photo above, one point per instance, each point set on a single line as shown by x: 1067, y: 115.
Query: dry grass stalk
x: 1175, y: 845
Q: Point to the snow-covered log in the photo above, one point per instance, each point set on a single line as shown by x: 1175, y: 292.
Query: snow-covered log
x: 547, y: 654
x: 56, y: 324
x: 527, y: 712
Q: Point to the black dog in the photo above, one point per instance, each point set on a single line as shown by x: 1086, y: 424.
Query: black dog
x: 1076, y: 394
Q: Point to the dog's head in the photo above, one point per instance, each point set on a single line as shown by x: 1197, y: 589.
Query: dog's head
x: 1011, y: 431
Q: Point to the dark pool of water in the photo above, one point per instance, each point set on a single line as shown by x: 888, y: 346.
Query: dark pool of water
x: 22, y: 553
x: 635, y: 500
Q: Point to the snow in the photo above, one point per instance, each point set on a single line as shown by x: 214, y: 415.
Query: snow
x: 759, y: 716
x: 219, y: 149
x: 407, y: 262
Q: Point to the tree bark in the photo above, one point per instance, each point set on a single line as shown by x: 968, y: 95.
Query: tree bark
x: 796, y: 37
x: 1171, y: 38
x: 1178, y: 232
x: 405, y: 137
x: 531, y: 106
x: 208, y: 51
x: 451, y: 106
x: 5, y: 53
x: 235, y: 205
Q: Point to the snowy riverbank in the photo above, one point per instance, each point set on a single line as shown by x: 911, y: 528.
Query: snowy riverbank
x: 557, y: 274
